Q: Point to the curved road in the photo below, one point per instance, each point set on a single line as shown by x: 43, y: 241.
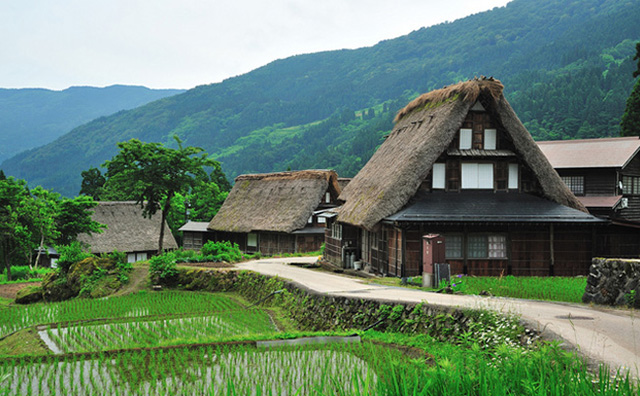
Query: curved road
x: 602, y: 335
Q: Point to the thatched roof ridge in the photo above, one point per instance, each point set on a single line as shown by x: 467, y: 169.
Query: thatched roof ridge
x: 281, y: 202
x: 424, y: 130
x: 127, y: 230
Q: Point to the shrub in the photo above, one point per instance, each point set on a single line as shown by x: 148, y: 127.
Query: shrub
x: 222, y: 251
x: 163, y: 266
x: 71, y: 254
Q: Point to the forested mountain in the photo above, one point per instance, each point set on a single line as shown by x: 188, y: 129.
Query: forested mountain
x: 32, y: 117
x: 566, y: 66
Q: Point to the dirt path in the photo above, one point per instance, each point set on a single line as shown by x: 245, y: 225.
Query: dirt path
x: 10, y: 290
x: 137, y: 281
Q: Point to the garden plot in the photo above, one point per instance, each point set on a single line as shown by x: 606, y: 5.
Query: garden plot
x: 202, y: 370
x: 130, y: 306
x: 121, y: 335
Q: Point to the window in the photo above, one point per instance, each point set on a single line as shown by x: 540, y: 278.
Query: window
x: 487, y: 246
x: 477, y: 176
x: 252, y: 239
x: 336, y: 231
x: 465, y: 138
x: 513, y: 176
x: 322, y: 220
x: 575, y: 184
x: 453, y: 246
x: 310, y: 221
x: 327, y: 197
x: 477, y: 246
x: 631, y: 185
x: 490, y: 136
x: 438, y: 175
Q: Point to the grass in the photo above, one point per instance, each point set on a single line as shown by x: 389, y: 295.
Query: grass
x: 551, y: 288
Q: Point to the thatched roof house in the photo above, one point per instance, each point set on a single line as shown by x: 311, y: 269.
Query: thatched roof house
x: 424, y: 130
x: 282, y: 203
x: 459, y: 163
x: 127, y: 231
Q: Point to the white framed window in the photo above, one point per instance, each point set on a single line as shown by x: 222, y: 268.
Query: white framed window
x: 321, y: 220
x: 487, y: 246
x: 327, y: 197
x: 438, y: 176
x: 497, y: 246
x: 252, y: 239
x: 575, y: 184
x: 466, y: 136
x: 336, y: 231
x: 513, y: 176
x: 453, y: 246
x: 477, y: 176
x: 490, y: 138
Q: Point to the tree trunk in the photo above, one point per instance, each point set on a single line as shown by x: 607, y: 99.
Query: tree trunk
x: 165, y: 210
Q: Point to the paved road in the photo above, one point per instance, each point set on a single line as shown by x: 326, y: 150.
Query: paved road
x: 603, y: 335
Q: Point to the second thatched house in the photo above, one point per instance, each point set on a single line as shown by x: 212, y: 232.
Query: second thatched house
x: 127, y: 231
x: 277, y: 212
x: 459, y: 163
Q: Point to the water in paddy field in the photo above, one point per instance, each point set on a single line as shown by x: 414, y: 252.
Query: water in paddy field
x: 196, y: 371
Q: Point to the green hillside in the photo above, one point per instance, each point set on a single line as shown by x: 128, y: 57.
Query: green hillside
x: 566, y: 66
x: 32, y: 117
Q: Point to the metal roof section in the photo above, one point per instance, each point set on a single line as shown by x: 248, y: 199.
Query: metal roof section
x: 591, y: 153
x: 608, y: 202
x: 488, y: 207
x: 195, y: 226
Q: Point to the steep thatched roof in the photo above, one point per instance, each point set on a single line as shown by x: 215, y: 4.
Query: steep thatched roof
x: 424, y: 129
x: 274, y: 201
x: 127, y: 231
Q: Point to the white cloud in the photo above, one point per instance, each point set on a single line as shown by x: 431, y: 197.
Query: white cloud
x: 180, y: 44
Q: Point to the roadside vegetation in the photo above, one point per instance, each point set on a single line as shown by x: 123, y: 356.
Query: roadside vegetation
x: 550, y: 288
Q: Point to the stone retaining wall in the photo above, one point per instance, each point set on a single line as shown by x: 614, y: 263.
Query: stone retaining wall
x: 320, y: 312
x: 613, y: 282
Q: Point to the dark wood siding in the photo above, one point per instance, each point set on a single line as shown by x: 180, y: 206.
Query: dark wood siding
x: 233, y: 237
x: 413, y: 253
x: 271, y: 243
x: 394, y: 244
x: 573, y: 251
x: 332, y: 248
x: 530, y: 253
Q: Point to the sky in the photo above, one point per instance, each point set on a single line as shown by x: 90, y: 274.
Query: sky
x: 185, y: 43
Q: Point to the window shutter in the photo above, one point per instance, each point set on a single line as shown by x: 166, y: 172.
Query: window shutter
x: 513, y: 176
x: 485, y: 176
x: 438, y: 176
x: 490, y: 139
x: 465, y: 138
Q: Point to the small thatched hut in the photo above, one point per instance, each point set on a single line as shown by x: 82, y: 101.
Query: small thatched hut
x: 277, y: 212
x: 127, y: 231
x: 459, y: 163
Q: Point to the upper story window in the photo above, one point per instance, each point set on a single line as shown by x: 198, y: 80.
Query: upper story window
x: 631, y: 185
x: 575, y: 184
x: 477, y: 176
x: 481, y: 140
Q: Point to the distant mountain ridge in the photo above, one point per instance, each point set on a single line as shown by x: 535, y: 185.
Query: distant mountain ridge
x: 566, y: 67
x: 32, y: 117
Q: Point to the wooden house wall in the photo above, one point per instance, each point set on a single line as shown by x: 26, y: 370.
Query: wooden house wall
x: 394, y: 248
x: 308, y: 243
x: 530, y: 253
x: 379, y: 252
x: 233, y: 237
x: 573, y: 251
x: 618, y: 242
x: 270, y: 243
x: 332, y: 248
x: 597, y: 181
x: 413, y: 253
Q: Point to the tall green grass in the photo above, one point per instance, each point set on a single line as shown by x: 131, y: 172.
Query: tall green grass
x: 551, y: 288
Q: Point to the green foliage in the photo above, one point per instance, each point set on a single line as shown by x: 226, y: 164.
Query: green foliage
x: 153, y: 174
x: 71, y: 254
x: 332, y: 109
x: 92, y: 183
x: 630, y: 124
x: 222, y: 251
x: 25, y: 273
x: 163, y: 267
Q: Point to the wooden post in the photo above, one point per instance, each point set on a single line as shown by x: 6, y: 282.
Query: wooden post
x: 552, y: 259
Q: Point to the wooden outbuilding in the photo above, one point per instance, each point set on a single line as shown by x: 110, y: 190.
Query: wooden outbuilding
x: 127, y: 231
x: 459, y: 163
x: 277, y: 212
x: 604, y: 174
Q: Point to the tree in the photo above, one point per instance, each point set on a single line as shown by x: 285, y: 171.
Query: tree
x: 630, y: 124
x: 73, y: 218
x: 92, y: 183
x: 13, y: 229
x: 153, y: 174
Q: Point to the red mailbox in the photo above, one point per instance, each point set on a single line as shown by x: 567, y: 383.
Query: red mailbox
x: 433, y: 252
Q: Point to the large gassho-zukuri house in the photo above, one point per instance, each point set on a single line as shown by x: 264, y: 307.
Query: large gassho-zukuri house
x: 459, y: 163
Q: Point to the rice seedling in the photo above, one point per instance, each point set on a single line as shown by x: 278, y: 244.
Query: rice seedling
x: 130, y: 306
